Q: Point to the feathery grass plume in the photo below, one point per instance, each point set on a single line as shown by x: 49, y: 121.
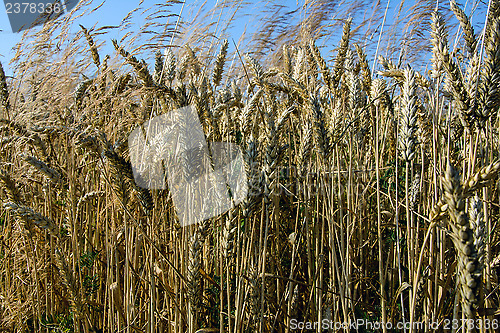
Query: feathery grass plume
x: 469, y: 36
x: 454, y: 80
x: 53, y: 175
x: 34, y: 88
x: 325, y: 71
x: 478, y: 226
x: 29, y: 216
x: 169, y: 65
x: 219, y: 63
x: 469, y: 269
x: 408, y: 117
x: 159, y: 69
x: 140, y: 67
x: 4, y: 91
x: 490, y: 78
x: 10, y: 187
x: 92, y: 46
x: 338, y: 67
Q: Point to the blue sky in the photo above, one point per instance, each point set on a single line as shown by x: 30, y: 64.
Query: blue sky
x: 112, y: 12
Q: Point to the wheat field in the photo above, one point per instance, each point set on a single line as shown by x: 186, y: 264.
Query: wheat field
x: 373, y: 196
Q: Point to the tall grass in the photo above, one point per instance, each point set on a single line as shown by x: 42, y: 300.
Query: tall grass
x: 372, y: 196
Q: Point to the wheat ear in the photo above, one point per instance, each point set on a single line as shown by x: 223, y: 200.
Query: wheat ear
x: 469, y: 36
x: 92, y: 46
x: 469, y: 269
x: 219, y: 63
x: 4, y: 91
x: 29, y: 216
